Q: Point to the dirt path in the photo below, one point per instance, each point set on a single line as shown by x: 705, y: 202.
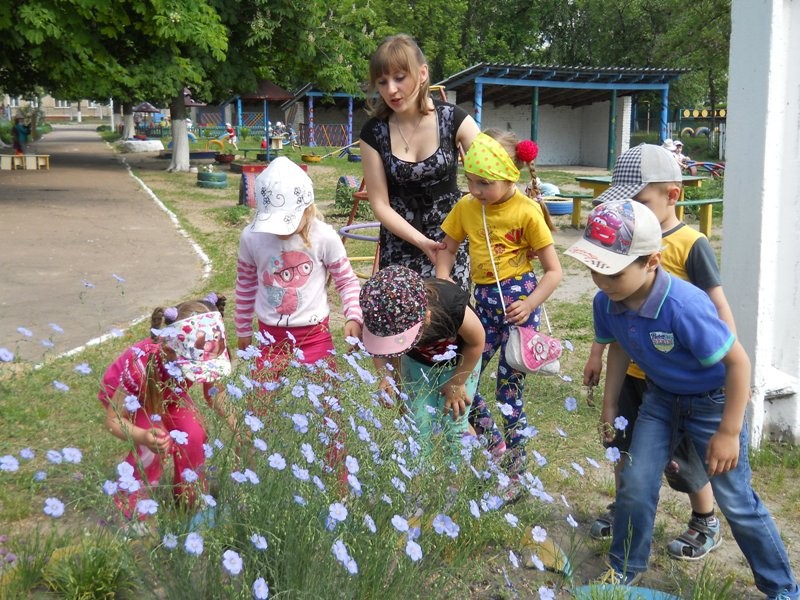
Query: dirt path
x: 83, y: 247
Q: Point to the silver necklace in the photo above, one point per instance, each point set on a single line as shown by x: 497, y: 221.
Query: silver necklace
x: 411, y: 137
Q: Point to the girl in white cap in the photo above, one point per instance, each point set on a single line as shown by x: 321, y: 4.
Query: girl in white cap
x: 144, y: 393
x: 285, y: 258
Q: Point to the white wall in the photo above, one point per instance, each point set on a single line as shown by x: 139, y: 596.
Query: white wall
x: 761, y: 247
x: 567, y: 136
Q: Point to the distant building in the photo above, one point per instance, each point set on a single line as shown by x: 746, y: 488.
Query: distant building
x: 56, y: 110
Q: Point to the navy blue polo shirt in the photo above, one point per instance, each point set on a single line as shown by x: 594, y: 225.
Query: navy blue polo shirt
x: 676, y: 335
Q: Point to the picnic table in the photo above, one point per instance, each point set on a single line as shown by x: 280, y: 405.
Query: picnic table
x: 600, y: 184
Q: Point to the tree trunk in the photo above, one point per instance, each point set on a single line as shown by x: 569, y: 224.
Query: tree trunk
x: 180, y: 135
x: 128, y: 125
x: 712, y: 99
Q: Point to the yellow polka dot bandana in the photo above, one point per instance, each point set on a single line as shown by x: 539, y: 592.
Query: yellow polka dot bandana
x: 486, y: 158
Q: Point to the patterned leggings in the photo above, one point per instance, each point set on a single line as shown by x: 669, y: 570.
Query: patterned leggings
x: 510, y: 382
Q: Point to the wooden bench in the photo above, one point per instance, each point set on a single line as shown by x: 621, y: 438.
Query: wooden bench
x: 30, y: 162
x: 706, y: 212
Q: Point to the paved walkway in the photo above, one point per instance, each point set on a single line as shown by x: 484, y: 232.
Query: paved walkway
x: 83, y: 246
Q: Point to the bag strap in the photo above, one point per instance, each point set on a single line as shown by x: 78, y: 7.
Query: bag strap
x: 497, y: 278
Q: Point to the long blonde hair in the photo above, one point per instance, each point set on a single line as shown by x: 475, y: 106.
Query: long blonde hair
x: 396, y: 53
x: 509, y: 140
x: 304, y: 231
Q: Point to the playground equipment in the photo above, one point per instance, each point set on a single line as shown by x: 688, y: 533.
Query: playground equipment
x: 691, y: 132
x: 315, y: 158
x: 715, y: 169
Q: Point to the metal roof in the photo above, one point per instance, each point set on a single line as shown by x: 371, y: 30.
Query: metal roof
x: 558, y: 85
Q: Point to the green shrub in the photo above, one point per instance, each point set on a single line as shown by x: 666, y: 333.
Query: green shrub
x: 95, y: 567
x: 343, y: 202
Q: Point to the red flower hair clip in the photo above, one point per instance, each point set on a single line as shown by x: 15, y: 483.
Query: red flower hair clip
x: 527, y: 151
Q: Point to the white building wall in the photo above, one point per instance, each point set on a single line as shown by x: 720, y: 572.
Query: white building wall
x: 761, y: 247
x: 567, y: 136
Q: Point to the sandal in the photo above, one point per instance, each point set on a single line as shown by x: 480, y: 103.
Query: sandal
x: 702, y: 536
x: 603, y: 527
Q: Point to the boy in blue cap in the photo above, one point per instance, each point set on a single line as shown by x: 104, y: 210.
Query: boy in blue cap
x: 698, y: 384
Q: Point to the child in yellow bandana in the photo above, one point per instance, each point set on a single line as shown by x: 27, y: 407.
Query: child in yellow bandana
x: 506, y: 229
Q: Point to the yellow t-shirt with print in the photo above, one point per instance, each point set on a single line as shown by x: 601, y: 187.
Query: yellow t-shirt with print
x: 517, y: 229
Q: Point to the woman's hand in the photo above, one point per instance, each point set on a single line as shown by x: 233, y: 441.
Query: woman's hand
x: 431, y: 248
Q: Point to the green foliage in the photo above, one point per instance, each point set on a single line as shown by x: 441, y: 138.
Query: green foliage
x: 233, y: 216
x: 710, y: 586
x: 343, y: 203
x: 27, y: 572
x: 93, y: 567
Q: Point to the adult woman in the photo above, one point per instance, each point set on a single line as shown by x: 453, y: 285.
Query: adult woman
x: 409, y: 151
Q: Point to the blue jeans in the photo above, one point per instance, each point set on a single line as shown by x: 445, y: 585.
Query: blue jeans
x: 663, y: 417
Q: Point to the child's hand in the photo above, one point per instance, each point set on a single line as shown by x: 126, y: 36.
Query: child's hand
x: 606, y: 427
x: 352, y: 329
x: 722, y: 453
x: 519, y: 312
x: 388, y: 395
x: 592, y: 370
x: 157, y: 440
x: 455, y: 399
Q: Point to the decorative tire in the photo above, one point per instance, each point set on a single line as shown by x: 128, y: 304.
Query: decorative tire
x: 213, y: 176
x: 687, y: 131
x: 559, y: 207
x: 212, y: 184
x: 216, y: 143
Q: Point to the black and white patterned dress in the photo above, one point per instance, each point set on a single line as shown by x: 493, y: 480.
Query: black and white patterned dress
x: 421, y: 192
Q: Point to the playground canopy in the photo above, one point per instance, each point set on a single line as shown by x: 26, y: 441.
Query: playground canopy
x: 574, y: 87
x: 145, y: 107
x: 188, y: 100
x: 265, y: 92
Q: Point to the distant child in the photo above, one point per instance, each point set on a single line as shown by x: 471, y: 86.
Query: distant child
x: 285, y: 257
x: 19, y: 135
x: 698, y: 385
x: 144, y: 393
x: 650, y: 175
x: 230, y: 133
x: 505, y: 229
x: 440, y: 338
